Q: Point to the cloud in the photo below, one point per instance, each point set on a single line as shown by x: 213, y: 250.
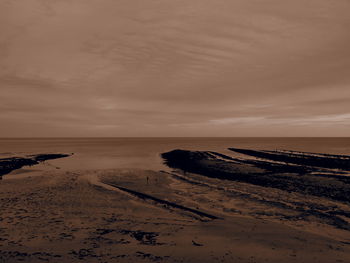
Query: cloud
x: 327, y: 120
x: 239, y: 120
x: 173, y: 67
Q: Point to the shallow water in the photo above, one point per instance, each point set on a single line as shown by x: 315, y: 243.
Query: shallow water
x: 144, y: 153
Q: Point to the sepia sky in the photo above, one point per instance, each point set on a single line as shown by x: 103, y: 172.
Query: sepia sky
x: 174, y: 68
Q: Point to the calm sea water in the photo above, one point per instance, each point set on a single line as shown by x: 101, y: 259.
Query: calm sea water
x: 144, y: 153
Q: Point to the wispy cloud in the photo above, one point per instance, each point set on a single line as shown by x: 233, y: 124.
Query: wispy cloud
x: 239, y: 120
x: 335, y: 119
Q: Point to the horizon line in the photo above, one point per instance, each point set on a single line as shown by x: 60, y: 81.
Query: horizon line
x: 134, y: 137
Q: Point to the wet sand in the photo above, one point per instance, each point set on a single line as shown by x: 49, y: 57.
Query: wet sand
x: 130, y: 215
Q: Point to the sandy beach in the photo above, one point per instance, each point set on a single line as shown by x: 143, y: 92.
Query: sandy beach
x: 135, y: 215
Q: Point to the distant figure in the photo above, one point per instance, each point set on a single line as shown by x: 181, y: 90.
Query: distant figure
x: 147, y: 179
x: 196, y: 244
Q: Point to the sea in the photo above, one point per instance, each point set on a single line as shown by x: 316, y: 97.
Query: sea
x: 145, y: 153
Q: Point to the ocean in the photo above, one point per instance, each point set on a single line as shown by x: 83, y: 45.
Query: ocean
x: 144, y: 153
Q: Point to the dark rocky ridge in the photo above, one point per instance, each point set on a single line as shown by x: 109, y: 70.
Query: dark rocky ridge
x: 301, y: 158
x: 7, y: 165
x: 305, y: 174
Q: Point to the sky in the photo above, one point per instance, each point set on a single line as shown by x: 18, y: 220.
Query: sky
x: 71, y: 68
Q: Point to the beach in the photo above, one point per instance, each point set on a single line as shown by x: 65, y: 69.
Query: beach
x: 55, y: 214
